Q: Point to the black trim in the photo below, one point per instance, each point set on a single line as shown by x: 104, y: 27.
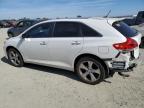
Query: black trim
x: 107, y: 59
x: 81, y: 23
x: 129, y: 69
x: 118, y: 55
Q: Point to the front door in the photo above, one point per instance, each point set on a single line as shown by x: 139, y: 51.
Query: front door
x: 35, y: 45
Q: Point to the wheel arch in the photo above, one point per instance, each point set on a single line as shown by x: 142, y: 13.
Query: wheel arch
x: 9, y: 47
x: 95, y: 57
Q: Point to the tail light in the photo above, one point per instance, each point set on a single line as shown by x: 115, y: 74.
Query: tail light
x: 128, y: 45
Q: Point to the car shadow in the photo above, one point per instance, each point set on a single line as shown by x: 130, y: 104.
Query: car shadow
x: 5, y: 60
x: 66, y: 73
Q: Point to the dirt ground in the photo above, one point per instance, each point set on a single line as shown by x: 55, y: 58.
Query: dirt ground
x: 36, y: 86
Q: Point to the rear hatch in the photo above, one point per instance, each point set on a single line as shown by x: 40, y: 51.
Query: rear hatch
x: 129, y: 32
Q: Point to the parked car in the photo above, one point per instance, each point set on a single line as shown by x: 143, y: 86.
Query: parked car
x: 9, y: 23
x: 3, y: 24
x: 91, y: 47
x: 20, y: 27
x: 129, y: 21
x: 140, y: 28
x: 139, y: 19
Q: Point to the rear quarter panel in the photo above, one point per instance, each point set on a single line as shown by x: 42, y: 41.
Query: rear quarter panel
x: 102, y: 46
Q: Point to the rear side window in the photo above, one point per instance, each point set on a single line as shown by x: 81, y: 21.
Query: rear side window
x: 124, y: 29
x: 89, y: 32
x: 66, y: 29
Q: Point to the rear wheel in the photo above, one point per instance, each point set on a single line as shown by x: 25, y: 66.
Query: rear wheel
x: 90, y: 70
x: 15, y: 58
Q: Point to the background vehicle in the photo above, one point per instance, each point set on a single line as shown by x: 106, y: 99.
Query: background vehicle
x: 91, y: 47
x: 20, y: 27
x: 4, y: 24
x: 1, y: 24
x: 140, y: 28
x: 139, y: 19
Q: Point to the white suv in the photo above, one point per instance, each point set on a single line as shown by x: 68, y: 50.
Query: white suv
x: 91, y: 47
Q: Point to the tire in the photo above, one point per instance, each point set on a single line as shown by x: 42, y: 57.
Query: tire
x: 90, y: 70
x: 15, y: 57
x: 10, y: 35
x: 142, y: 43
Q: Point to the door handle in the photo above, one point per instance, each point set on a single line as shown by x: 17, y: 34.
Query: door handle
x: 76, y: 43
x: 43, y: 43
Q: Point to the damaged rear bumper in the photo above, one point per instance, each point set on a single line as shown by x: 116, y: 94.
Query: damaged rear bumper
x: 123, y: 62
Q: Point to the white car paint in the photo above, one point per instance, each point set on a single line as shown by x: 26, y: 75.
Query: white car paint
x: 61, y: 53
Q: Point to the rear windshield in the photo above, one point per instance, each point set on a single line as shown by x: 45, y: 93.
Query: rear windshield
x: 124, y: 29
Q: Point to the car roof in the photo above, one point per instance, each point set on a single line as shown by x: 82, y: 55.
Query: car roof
x: 99, y: 24
x: 97, y: 19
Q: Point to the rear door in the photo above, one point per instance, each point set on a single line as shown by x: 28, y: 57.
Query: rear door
x: 66, y: 43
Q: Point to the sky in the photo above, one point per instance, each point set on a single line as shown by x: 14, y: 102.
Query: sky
x: 67, y: 8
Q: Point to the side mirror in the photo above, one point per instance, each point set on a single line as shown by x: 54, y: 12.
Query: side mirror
x: 24, y: 36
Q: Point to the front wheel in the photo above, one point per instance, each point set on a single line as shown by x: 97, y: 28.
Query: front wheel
x: 15, y: 58
x: 90, y: 70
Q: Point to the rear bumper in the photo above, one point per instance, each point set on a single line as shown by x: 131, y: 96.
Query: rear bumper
x: 129, y: 69
x: 123, y: 62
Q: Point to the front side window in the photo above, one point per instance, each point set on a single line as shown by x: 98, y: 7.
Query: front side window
x: 89, y: 32
x: 40, y: 31
x: 66, y: 29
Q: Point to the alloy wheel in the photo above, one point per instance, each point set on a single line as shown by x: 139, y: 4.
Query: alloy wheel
x: 14, y: 57
x: 89, y: 71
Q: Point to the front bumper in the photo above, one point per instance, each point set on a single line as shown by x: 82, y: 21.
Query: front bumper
x: 4, y: 49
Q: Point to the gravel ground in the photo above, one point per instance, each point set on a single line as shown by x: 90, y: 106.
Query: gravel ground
x: 36, y: 86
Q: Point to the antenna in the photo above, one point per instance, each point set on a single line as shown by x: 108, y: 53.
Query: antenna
x: 107, y: 14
